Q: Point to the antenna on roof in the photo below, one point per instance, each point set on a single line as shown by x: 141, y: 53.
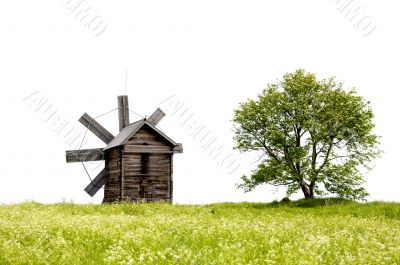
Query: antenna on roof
x: 126, y: 77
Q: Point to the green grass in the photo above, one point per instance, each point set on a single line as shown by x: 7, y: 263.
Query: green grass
x: 329, y: 231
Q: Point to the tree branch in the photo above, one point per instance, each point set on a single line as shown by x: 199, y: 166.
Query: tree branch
x: 336, y: 157
x: 298, y: 143
x: 326, y: 156
x: 314, y: 156
x: 322, y: 148
x: 269, y: 151
x: 283, y: 184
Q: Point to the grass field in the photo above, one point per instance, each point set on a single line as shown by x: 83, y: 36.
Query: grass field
x: 302, y: 232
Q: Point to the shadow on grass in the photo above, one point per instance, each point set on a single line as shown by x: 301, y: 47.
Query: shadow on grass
x: 302, y: 203
x: 312, y: 203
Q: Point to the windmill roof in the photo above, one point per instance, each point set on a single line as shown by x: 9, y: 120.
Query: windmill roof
x: 126, y: 133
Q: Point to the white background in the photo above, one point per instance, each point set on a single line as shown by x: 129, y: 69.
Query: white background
x: 210, y: 54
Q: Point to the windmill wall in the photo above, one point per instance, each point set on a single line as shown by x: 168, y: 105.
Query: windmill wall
x: 113, y: 175
x: 139, y: 170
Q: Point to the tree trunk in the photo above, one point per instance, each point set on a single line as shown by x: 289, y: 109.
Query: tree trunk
x: 307, y: 190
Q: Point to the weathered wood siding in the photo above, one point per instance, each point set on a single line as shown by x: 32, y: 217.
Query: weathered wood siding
x: 113, y: 175
x: 147, y: 172
x: 139, y: 170
x: 147, y: 176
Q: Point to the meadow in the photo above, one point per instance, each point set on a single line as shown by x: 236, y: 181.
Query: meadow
x: 329, y: 231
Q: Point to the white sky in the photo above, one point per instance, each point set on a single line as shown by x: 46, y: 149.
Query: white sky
x: 209, y: 54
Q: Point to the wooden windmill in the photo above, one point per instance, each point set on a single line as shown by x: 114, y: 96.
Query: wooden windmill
x: 138, y: 161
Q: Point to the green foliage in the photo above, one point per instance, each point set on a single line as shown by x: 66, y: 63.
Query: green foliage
x: 313, y: 134
x: 331, y: 231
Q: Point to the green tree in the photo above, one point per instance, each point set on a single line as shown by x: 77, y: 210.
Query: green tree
x: 314, y: 136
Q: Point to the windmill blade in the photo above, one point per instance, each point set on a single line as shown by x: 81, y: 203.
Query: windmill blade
x: 96, y: 128
x: 84, y: 155
x: 156, y: 117
x: 96, y: 183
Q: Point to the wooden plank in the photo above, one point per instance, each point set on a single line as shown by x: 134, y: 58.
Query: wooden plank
x: 160, y: 176
x: 122, y: 179
x: 171, y: 180
x: 178, y: 148
x: 123, y: 112
x: 96, y: 128
x: 84, y: 155
x: 158, y: 167
x: 156, y: 117
x: 142, y: 141
x: 147, y: 149
x: 147, y: 136
x: 96, y: 183
x: 113, y: 171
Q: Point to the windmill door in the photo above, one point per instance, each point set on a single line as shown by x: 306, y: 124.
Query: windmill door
x: 146, y: 192
x: 146, y: 187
